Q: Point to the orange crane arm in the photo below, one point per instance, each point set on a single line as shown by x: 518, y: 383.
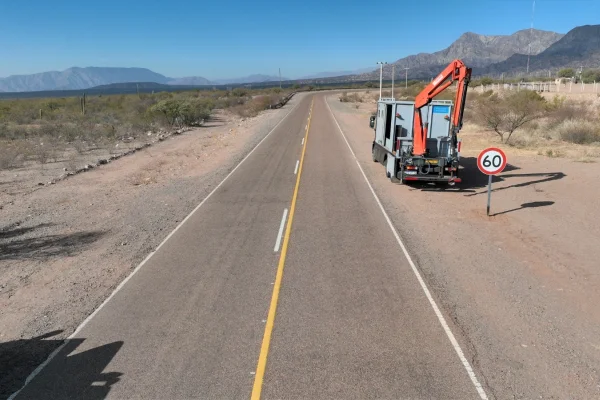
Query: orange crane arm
x: 455, y: 71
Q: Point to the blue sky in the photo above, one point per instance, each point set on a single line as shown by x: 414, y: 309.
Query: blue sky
x: 221, y: 39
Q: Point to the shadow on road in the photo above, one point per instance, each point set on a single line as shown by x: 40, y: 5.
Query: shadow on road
x: 68, y: 376
x: 18, y: 243
x: 533, y: 204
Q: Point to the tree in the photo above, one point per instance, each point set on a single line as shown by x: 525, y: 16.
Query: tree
x: 505, y: 115
x: 590, y: 75
x: 566, y: 73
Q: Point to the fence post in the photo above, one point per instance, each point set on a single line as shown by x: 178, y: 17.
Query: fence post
x: 582, y: 86
x: 41, y: 113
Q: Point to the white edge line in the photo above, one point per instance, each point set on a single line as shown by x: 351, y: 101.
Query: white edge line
x: 434, y: 305
x: 280, y: 233
x: 296, y: 169
x: 302, y: 142
x: 85, y: 322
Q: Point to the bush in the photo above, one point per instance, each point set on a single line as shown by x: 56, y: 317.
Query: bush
x: 239, y: 92
x: 578, y: 131
x: 505, y: 115
x: 13, y: 154
x: 170, y: 109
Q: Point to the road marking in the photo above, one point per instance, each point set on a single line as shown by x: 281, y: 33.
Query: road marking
x: 278, y: 241
x: 296, y: 169
x: 264, y: 348
x: 88, y: 319
x: 434, y: 305
x: 302, y: 142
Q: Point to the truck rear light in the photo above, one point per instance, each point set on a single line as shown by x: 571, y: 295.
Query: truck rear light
x: 411, y: 178
x: 459, y: 146
x: 410, y: 167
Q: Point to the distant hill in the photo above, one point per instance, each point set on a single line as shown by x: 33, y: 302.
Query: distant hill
x: 249, y: 79
x: 190, y: 80
x: 474, y: 49
x: 580, y: 47
x: 133, y: 86
x: 78, y: 78
x: 330, y: 74
x: 84, y: 78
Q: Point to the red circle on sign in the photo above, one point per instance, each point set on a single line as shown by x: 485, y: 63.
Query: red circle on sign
x: 482, y: 156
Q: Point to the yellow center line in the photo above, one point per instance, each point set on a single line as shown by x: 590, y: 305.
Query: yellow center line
x: 264, y: 349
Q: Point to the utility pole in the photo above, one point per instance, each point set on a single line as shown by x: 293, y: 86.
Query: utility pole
x: 381, y: 75
x: 393, y: 74
x: 406, y: 78
x: 530, y: 35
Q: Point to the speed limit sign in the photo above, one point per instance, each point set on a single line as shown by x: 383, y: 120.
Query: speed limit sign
x: 491, y: 161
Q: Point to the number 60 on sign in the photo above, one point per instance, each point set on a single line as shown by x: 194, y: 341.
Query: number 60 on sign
x: 491, y: 161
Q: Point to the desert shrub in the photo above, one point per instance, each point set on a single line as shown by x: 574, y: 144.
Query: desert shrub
x: 194, y: 111
x: 239, y: 92
x: 504, y: 115
x: 180, y: 111
x: 13, y: 154
x: 355, y: 98
x: 568, y: 111
x: 578, y: 131
x: 259, y: 103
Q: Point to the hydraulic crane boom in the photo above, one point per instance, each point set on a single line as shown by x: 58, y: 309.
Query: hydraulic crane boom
x: 455, y: 71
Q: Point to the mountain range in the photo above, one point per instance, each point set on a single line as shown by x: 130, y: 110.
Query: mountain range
x: 580, y: 47
x: 83, y: 78
x: 475, y: 50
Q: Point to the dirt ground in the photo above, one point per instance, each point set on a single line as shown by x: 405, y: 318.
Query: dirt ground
x: 522, y: 286
x: 65, y: 247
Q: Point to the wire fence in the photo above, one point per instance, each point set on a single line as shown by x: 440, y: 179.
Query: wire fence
x: 564, y: 87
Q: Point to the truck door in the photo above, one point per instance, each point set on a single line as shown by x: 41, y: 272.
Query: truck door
x: 381, y: 123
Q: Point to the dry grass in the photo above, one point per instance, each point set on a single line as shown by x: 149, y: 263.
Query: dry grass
x: 578, y: 131
x: 26, y: 134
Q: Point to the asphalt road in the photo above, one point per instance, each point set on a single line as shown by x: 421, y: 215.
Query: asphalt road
x: 349, y: 320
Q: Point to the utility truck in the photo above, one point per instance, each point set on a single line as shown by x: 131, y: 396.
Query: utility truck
x: 418, y: 140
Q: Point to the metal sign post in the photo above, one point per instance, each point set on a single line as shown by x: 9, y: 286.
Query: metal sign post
x: 491, y: 161
x: 489, y: 195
